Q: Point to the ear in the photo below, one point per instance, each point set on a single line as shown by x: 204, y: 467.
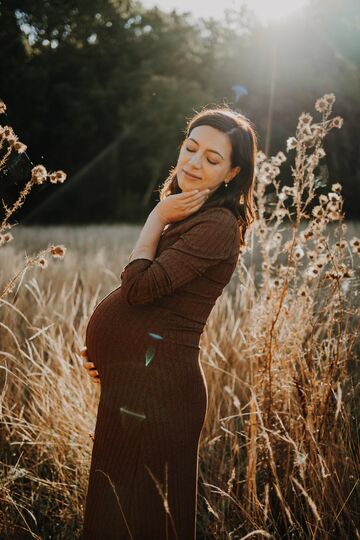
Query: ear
x: 235, y: 171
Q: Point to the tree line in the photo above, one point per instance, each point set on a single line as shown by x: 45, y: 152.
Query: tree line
x: 102, y: 89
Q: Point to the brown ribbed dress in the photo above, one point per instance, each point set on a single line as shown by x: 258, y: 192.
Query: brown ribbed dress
x: 144, y: 340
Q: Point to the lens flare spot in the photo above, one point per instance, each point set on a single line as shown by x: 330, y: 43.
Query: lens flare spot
x: 155, y: 336
x: 125, y: 410
x: 149, y: 355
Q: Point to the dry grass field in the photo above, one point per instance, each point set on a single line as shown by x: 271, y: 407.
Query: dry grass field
x: 271, y: 462
x: 279, y: 453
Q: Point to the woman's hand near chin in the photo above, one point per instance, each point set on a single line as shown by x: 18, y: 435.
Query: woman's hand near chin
x: 180, y: 205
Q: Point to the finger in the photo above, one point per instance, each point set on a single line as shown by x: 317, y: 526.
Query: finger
x: 196, y: 202
x: 188, y: 193
x: 88, y: 365
x: 93, y: 372
x: 194, y: 207
x: 200, y: 197
x: 201, y: 193
x: 194, y: 193
x: 194, y: 199
x: 90, y: 369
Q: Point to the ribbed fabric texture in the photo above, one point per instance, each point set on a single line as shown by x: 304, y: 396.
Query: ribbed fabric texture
x: 144, y: 340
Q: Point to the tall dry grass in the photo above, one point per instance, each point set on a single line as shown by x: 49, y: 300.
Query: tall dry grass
x: 279, y: 451
x: 11, y: 147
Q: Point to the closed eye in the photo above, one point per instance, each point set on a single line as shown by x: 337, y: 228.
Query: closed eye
x: 212, y: 162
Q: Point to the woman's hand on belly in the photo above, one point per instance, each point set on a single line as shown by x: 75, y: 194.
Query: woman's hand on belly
x: 89, y: 366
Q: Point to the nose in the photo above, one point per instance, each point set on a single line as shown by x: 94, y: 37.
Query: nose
x: 195, y: 160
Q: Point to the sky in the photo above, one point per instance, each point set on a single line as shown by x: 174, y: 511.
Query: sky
x: 266, y: 10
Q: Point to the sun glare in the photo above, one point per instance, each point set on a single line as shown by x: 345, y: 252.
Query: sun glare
x: 276, y: 9
x: 265, y: 10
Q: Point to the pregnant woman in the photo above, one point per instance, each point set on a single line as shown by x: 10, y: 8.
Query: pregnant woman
x: 142, y: 340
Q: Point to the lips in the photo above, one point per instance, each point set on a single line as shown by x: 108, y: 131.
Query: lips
x: 191, y: 175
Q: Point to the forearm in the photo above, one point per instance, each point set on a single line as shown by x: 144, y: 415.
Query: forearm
x: 148, y: 240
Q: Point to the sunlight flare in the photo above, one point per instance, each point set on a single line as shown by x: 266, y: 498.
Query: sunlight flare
x: 275, y: 10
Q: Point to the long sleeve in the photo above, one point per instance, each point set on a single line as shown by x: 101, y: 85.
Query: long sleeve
x: 209, y: 240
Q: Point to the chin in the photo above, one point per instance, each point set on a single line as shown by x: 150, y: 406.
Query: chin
x: 184, y: 188
x: 185, y: 184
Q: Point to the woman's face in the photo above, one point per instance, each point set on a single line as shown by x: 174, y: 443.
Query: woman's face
x: 206, y: 155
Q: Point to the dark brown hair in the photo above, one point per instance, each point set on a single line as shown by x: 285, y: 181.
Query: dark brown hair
x: 238, y: 195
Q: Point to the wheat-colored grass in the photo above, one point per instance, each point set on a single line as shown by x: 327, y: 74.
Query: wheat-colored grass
x: 262, y: 464
x: 279, y: 450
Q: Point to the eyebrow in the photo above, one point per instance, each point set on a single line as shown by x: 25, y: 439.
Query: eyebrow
x: 208, y: 149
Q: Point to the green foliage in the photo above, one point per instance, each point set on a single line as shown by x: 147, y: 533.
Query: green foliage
x: 79, y: 75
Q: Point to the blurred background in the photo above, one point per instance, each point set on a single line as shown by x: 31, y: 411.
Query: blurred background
x: 103, y: 88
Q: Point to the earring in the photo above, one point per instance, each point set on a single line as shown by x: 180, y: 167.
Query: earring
x: 226, y: 184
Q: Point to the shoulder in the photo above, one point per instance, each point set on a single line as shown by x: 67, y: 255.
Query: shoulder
x: 214, y: 229
x: 206, y: 223
x: 217, y: 218
x: 219, y: 213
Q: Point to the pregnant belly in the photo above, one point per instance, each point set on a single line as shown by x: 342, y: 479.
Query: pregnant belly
x: 118, y: 332
x: 134, y: 364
